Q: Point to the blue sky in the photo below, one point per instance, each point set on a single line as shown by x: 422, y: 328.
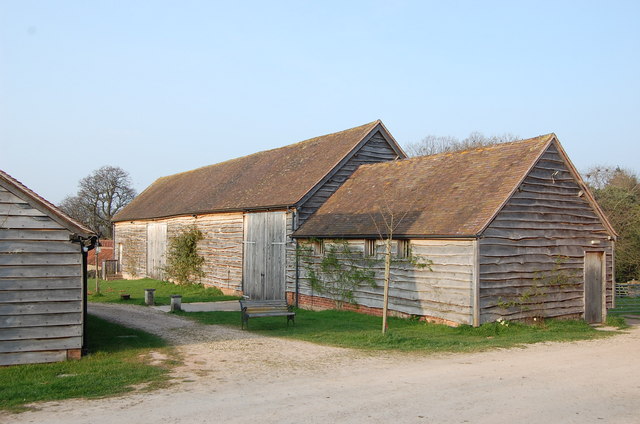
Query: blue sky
x: 159, y: 87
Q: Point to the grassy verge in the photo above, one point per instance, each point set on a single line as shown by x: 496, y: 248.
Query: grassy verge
x: 110, y: 292
x: 115, y: 363
x: 352, y: 330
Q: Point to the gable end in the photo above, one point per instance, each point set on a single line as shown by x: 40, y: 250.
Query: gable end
x: 377, y: 146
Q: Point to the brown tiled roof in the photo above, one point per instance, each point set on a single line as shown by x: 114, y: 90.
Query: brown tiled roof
x: 449, y: 194
x: 273, y: 178
x: 39, y: 202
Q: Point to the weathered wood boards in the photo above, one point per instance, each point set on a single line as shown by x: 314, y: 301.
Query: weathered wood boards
x: 525, y: 260
x: 264, y: 252
x: 375, y: 150
x: 156, y: 249
x: 229, y: 240
x: 532, y: 255
x: 221, y: 247
x: 443, y: 290
x: 41, y: 285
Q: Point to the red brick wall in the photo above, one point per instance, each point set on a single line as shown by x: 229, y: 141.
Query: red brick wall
x: 317, y: 303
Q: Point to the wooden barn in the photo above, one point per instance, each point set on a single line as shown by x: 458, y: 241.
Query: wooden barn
x: 42, y: 278
x: 246, y: 209
x: 510, y: 231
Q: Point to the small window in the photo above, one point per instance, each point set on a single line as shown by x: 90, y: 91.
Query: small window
x: 404, y: 249
x: 318, y: 247
x: 370, y: 247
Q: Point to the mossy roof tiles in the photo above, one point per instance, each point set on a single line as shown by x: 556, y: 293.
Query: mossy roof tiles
x: 449, y: 194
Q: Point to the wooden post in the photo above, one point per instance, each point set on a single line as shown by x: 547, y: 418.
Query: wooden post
x: 97, y: 277
x: 387, y: 277
x: 149, y: 297
x: 176, y: 302
x: 475, y: 285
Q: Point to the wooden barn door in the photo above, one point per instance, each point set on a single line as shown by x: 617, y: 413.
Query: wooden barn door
x: 593, y: 286
x: 264, y: 255
x: 156, y: 249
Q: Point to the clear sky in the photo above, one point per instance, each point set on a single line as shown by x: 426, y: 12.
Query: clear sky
x: 159, y: 87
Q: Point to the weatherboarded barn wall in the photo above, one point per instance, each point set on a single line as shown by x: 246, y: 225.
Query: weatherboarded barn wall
x: 532, y: 255
x: 525, y: 237
x: 130, y: 239
x: 231, y: 201
x: 221, y: 246
x: 441, y: 293
x: 377, y: 149
x: 41, y: 286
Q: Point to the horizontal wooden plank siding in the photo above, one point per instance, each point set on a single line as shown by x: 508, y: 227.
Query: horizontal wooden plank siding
x: 31, y: 345
x: 32, y: 357
x: 37, y: 320
x: 375, y: 150
x: 132, y: 236
x: 41, y: 288
x: 13, y: 284
x: 35, y: 235
x: 53, y: 307
x: 60, y: 295
x: 221, y: 246
x: 443, y: 292
x: 532, y: 254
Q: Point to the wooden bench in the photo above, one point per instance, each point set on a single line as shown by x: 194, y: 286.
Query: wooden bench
x: 265, y: 308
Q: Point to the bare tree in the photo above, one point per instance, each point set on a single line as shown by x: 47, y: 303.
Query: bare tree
x: 433, y: 144
x: 100, y: 196
x: 387, y: 217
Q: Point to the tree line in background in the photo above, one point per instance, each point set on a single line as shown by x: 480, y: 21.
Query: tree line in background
x: 617, y: 191
x: 108, y: 189
x: 434, y: 144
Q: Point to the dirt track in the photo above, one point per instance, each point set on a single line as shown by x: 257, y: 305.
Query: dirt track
x: 231, y: 376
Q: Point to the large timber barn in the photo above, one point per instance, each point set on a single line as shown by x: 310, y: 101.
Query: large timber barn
x: 509, y: 230
x: 246, y: 208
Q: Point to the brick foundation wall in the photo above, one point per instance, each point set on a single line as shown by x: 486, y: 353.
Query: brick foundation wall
x: 318, y: 303
x: 74, y: 354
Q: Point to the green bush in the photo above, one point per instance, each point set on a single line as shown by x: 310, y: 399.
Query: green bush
x: 184, y: 265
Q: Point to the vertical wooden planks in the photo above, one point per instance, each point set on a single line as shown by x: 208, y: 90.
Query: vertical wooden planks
x: 593, y: 285
x: 156, y: 249
x: 264, y: 259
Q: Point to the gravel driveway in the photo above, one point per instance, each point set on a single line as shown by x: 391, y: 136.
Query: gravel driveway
x: 232, y: 376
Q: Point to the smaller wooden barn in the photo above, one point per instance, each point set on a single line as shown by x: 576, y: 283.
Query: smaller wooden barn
x: 42, y: 278
x: 511, y: 231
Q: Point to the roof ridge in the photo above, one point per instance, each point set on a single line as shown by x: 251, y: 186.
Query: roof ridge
x: 297, y: 143
x: 543, y: 137
x: 271, y: 178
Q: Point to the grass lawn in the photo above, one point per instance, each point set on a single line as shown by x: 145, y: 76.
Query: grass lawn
x: 116, y: 362
x: 353, y: 330
x: 110, y: 292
